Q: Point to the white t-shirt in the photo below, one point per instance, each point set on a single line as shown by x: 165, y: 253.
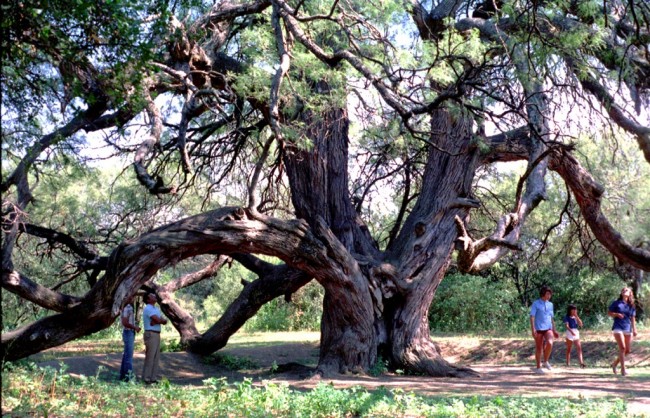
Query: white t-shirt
x: 147, y: 313
x: 128, y: 313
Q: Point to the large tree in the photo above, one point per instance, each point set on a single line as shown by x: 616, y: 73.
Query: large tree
x: 292, y: 122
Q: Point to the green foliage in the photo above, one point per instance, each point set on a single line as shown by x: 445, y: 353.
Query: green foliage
x: 38, y: 36
x: 302, y: 314
x: 31, y: 391
x: 208, y: 300
x: 380, y: 367
x: 170, y: 346
x: 476, y: 304
x: 230, y: 362
x: 450, y: 56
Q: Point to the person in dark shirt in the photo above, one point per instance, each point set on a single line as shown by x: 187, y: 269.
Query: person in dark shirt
x: 624, y: 328
x: 572, y: 321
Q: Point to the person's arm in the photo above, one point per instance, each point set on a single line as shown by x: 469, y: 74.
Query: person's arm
x: 555, y: 333
x: 568, y: 328
x: 128, y: 325
x: 532, y: 325
x: 579, y: 321
x: 155, y: 320
x: 634, y: 325
x: 615, y: 314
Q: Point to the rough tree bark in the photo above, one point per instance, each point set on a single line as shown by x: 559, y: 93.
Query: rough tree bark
x: 386, y: 302
x: 423, y: 249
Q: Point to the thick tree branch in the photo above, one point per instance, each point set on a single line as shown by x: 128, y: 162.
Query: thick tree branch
x: 274, y: 282
x: 179, y: 318
x: 476, y: 256
x: 154, y: 186
x: 78, y: 247
x: 191, y: 278
x: 132, y: 264
x: 588, y: 194
x: 40, y: 295
x: 431, y: 25
x: 508, y: 146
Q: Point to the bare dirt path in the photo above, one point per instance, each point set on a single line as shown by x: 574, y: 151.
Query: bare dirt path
x: 186, y: 369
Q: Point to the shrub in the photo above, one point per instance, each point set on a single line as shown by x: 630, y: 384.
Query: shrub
x: 303, y: 313
x: 465, y: 303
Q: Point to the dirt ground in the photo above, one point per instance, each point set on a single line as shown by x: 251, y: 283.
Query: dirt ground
x: 505, y: 368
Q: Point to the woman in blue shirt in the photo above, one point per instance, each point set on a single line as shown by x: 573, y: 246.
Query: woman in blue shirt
x: 624, y: 328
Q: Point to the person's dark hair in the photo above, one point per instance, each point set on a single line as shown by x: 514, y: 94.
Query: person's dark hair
x: 543, y: 290
x: 146, y: 296
x: 630, y: 300
x: 570, y: 308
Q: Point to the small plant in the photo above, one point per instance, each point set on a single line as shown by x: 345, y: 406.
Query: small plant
x: 380, y: 367
x: 230, y: 362
x: 173, y: 346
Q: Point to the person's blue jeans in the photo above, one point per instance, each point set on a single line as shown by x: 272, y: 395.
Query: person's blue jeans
x: 126, y: 371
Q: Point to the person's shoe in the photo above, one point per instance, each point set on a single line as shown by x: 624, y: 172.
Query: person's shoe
x: 539, y: 371
x: 614, y: 369
x: 582, y: 365
x: 548, y: 365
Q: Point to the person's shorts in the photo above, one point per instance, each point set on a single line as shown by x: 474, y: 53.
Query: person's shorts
x: 569, y: 336
x: 621, y: 331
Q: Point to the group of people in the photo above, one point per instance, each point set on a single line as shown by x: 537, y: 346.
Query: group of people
x: 542, y: 324
x: 152, y: 319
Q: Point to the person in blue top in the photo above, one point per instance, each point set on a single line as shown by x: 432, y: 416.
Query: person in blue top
x: 542, y: 325
x: 572, y: 321
x: 151, y: 320
x: 624, y: 328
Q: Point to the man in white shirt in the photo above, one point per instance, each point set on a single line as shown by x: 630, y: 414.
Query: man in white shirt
x: 151, y: 319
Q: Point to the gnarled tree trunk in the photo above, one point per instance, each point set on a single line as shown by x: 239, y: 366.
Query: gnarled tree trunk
x: 386, y: 303
x: 423, y: 249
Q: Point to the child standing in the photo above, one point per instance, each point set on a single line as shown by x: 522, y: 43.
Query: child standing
x: 572, y: 322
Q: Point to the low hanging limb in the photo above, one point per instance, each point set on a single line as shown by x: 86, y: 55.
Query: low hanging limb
x: 589, y: 194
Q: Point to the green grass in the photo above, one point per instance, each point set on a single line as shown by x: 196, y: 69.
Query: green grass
x: 230, y: 362
x: 28, y: 390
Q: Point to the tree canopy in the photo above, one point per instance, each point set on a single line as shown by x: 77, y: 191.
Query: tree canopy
x: 347, y: 139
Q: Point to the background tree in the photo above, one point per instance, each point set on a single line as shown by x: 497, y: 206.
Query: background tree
x: 256, y: 109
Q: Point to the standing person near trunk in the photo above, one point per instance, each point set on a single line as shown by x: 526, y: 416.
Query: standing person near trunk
x: 152, y: 319
x: 129, y: 329
x: 542, y: 326
x: 624, y: 328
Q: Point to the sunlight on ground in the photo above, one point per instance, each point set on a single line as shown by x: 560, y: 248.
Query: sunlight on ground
x: 272, y: 337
